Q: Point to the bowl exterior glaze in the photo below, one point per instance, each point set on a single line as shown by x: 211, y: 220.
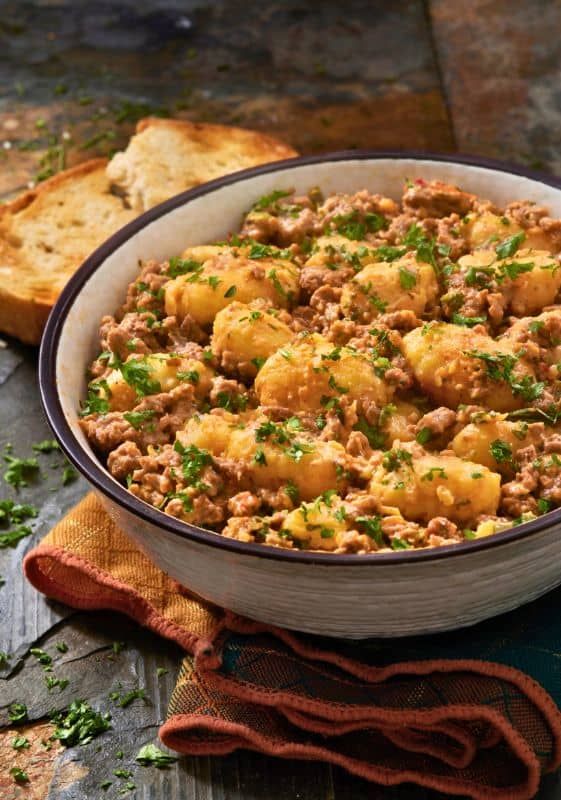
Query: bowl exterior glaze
x: 348, y: 596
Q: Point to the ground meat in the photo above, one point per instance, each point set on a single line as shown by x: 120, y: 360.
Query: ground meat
x: 108, y: 431
x: 136, y: 333
x: 436, y: 199
x: 442, y: 528
x: 146, y: 291
x: 403, y: 320
x: 438, y: 421
x: 124, y: 460
x: 244, y: 504
x: 525, y: 213
x: 358, y: 445
x: 449, y: 236
x: 226, y: 392
x: 281, y: 230
x: 355, y: 206
x: 313, y: 278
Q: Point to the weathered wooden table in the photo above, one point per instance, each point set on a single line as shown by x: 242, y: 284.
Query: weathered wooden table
x: 442, y: 75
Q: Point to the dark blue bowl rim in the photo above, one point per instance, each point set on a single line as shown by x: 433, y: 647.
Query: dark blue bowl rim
x: 96, y: 474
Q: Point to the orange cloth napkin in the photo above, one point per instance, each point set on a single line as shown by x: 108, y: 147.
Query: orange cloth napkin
x: 461, y: 726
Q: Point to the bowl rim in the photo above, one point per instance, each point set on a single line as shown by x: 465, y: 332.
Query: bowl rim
x: 97, y: 475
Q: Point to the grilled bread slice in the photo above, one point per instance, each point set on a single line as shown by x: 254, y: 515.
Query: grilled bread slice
x: 47, y: 232
x: 167, y: 156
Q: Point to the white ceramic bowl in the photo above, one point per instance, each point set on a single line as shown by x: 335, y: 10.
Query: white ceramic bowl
x: 352, y: 596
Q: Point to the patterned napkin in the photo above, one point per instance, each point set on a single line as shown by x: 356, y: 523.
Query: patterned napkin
x: 425, y: 710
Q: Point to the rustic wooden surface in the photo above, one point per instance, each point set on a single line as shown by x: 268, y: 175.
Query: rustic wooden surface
x: 75, y: 76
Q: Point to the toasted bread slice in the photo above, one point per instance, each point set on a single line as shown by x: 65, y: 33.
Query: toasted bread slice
x: 167, y: 156
x: 47, y: 232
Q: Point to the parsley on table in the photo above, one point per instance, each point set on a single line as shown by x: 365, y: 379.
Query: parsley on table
x: 11, y: 538
x: 19, y: 775
x: 20, y: 470
x: 150, y: 755
x: 42, y: 657
x: 51, y: 682
x: 161, y: 671
x: 46, y: 446
x: 69, y: 475
x: 20, y: 743
x: 4, y: 660
x: 79, y: 724
x: 117, y: 647
x: 12, y: 513
x: 17, y: 712
x: 105, y: 785
x: 509, y: 246
x: 501, y: 451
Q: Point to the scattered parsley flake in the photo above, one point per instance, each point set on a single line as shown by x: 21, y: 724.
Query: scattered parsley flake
x: 46, y: 446
x: 138, y: 418
x: 19, y: 775
x: 20, y: 743
x: 17, y: 712
x: 501, y: 451
x: 424, y: 436
x: 150, y: 755
x: 20, y: 470
x: 69, y: 475
x: 509, y: 246
x: 407, y: 278
x: 79, y: 724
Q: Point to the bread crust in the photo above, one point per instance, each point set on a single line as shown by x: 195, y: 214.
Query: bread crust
x: 47, y: 232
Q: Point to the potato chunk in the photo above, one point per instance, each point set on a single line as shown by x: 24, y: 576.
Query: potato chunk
x: 334, y: 252
x: 311, y: 372
x: 493, y: 441
x: 244, y: 336
x: 529, y: 280
x: 315, y: 526
x: 427, y: 486
x: 455, y: 365
x: 389, y: 286
x: 314, y: 466
x: 225, y: 278
x: 160, y: 372
x: 209, y: 431
x: 487, y: 230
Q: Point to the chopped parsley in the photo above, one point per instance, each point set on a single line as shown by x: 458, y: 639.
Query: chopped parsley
x: 11, y: 538
x: 270, y: 200
x: 468, y: 322
x: 69, y: 475
x: 417, y: 239
x: 42, y: 657
x: 20, y: 743
x: 513, y: 269
x: 95, y: 403
x: 536, y: 326
x: 231, y: 291
x: 19, y: 775
x: 46, y: 446
x: 297, y: 450
x: 137, y: 373
x: 260, y: 457
x: 194, y: 461
x: 424, y: 436
x: 138, y: 418
x: 372, y: 526
x: 499, y: 367
x: 439, y: 472
x: 376, y: 437
x: 183, y: 266
x: 12, y: 513
x: 544, y: 505
x: 20, y: 470
x: 150, y: 755
x: 389, y: 253
x: 399, y: 544
x: 501, y: 451
x: 17, y: 712
x: 393, y: 459
x: 79, y: 724
x: 407, y: 278
x: 161, y: 671
x: 509, y: 246
x: 124, y: 700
